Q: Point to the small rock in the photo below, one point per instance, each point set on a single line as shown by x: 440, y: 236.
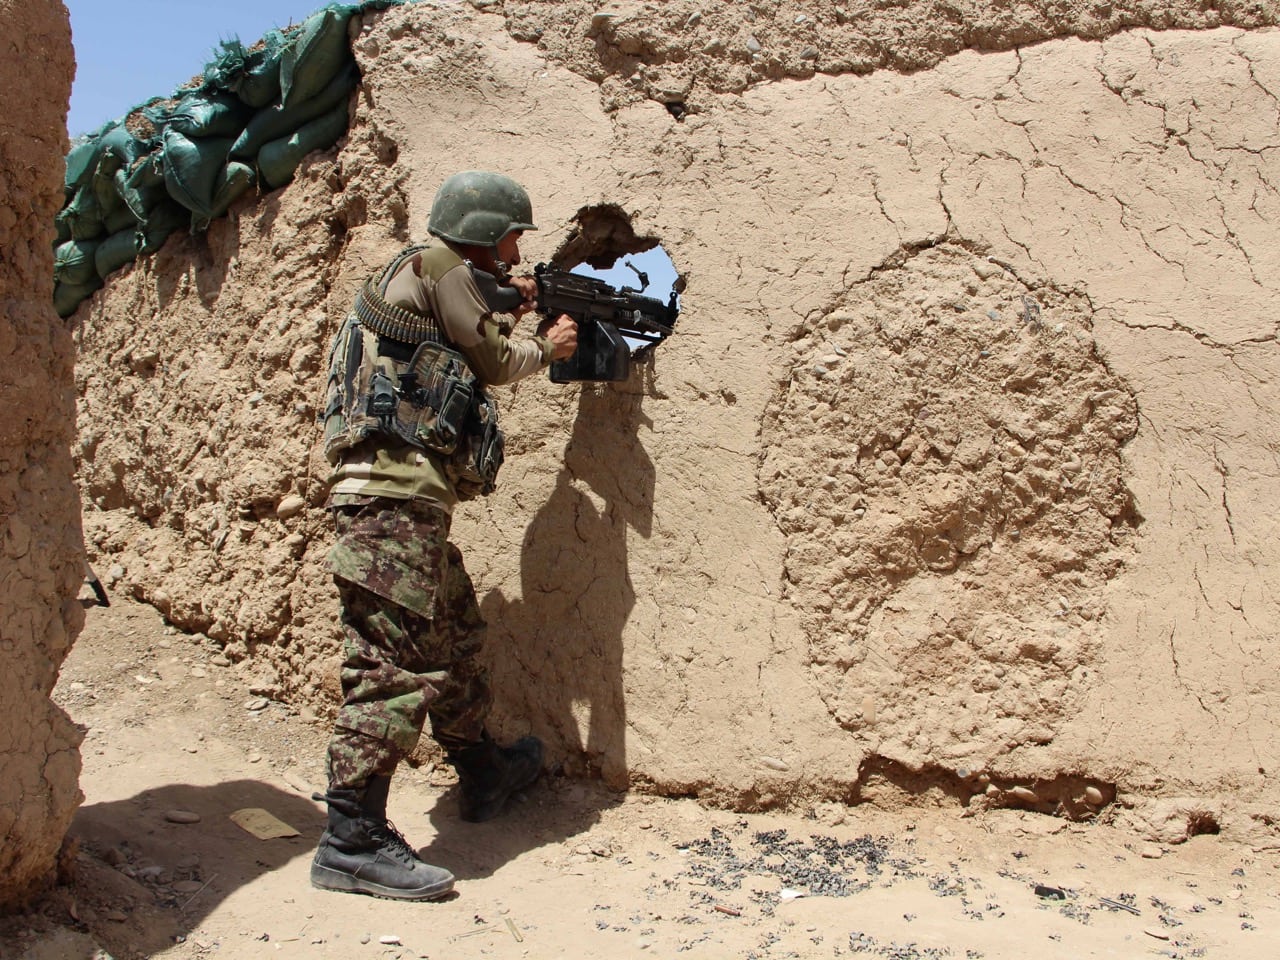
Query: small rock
x: 254, y: 757
x: 389, y: 939
x: 1024, y: 794
x: 1151, y: 851
x: 365, y: 938
x: 753, y: 45
x: 260, y: 703
x: 199, y: 672
x: 1093, y: 795
x: 218, y: 660
x: 1157, y: 934
x: 290, y: 506
x: 115, y: 916
x: 188, y: 886
x: 773, y: 763
x: 114, y: 857
x: 182, y: 816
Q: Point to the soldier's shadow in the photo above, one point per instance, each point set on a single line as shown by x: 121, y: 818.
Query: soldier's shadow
x: 555, y: 653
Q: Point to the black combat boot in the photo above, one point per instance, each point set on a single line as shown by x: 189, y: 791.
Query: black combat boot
x: 361, y: 852
x: 489, y: 774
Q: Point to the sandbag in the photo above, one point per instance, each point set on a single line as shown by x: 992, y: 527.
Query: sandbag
x: 68, y: 296
x: 119, y: 144
x: 82, y: 161
x: 253, y: 75
x: 116, y: 251
x: 121, y: 219
x: 279, y: 159
x: 81, y: 216
x: 142, y: 185
x: 236, y: 178
x: 279, y: 121
x: 204, y: 114
x: 165, y: 219
x: 314, y: 54
x: 193, y: 169
x: 111, y: 206
x: 73, y: 262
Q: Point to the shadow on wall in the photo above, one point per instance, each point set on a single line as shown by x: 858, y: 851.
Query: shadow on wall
x: 565, y: 635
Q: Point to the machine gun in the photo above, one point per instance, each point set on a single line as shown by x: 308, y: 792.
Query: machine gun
x: 613, y: 324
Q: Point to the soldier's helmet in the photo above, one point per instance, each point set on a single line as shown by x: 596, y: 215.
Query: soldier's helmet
x: 479, y: 208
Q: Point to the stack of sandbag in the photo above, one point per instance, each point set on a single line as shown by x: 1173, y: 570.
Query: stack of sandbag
x: 181, y: 161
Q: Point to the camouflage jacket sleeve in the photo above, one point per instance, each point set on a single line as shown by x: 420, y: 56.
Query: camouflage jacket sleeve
x: 494, y: 357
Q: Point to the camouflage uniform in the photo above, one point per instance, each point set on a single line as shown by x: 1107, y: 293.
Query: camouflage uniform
x: 411, y: 635
x: 411, y: 625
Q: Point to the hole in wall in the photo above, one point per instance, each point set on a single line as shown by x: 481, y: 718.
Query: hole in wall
x: 603, y: 245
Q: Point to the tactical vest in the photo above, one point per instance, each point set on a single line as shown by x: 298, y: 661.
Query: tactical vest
x: 393, y: 373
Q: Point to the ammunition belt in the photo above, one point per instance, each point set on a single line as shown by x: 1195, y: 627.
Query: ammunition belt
x: 395, y: 323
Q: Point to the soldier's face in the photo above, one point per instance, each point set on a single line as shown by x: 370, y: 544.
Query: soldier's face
x: 508, y: 249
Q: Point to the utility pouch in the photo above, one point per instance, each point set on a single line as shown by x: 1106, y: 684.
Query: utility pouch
x: 435, y: 396
x: 474, y: 466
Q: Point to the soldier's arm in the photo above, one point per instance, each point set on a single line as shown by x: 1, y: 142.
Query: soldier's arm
x: 482, y: 336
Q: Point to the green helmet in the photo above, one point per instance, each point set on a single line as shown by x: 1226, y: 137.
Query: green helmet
x: 479, y: 208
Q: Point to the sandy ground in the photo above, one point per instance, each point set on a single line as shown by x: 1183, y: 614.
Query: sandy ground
x: 177, y: 744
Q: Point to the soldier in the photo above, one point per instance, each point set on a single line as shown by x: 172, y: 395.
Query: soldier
x: 410, y: 431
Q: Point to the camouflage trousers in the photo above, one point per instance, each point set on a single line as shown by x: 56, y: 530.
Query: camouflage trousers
x: 412, y: 631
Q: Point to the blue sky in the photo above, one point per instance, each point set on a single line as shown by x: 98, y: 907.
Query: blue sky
x: 128, y: 51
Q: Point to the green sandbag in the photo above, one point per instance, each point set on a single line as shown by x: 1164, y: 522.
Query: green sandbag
x: 111, y: 205
x: 82, y: 161
x: 142, y: 185
x: 121, y: 145
x: 68, y: 296
x: 235, y: 180
x: 163, y: 220
x: 193, y: 169
x: 279, y: 159
x: 120, y: 219
x: 252, y: 75
x: 73, y: 262
x: 203, y: 114
x: 116, y: 251
x: 82, y: 215
x: 278, y: 121
x: 314, y: 55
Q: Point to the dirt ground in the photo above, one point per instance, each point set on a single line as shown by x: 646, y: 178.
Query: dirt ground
x: 177, y: 743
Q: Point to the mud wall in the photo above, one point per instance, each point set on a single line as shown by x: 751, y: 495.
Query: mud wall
x: 954, y: 481
x: 43, y: 562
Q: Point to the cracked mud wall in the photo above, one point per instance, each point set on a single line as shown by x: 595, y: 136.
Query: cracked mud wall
x: 955, y: 475
x: 43, y: 562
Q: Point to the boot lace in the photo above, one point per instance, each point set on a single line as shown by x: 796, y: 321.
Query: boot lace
x: 392, y: 841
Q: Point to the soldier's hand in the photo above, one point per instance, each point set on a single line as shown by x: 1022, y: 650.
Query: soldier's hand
x: 528, y: 288
x: 563, y: 334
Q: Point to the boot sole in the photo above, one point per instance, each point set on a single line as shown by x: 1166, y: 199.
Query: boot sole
x: 325, y: 879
